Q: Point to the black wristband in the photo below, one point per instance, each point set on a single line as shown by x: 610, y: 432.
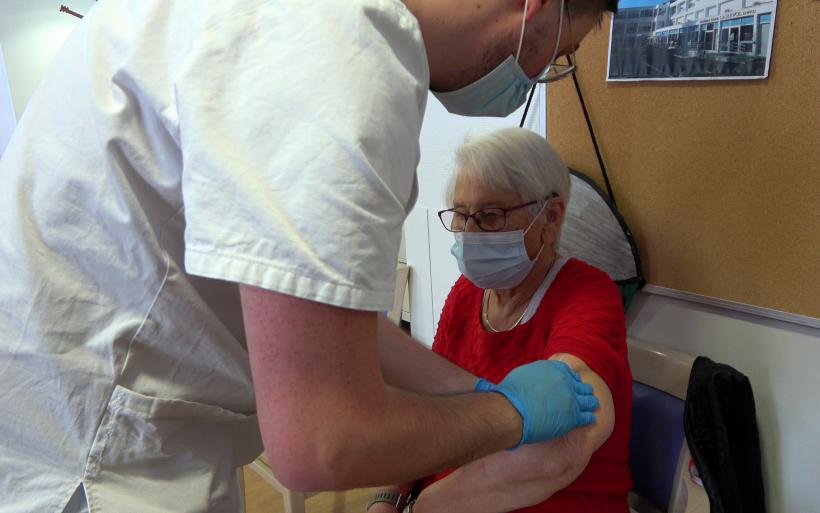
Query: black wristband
x: 397, y: 500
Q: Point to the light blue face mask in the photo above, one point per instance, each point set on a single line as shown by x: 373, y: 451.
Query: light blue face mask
x: 494, y: 260
x: 503, y: 90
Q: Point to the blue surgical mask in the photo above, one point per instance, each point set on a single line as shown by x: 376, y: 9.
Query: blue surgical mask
x: 500, y: 92
x: 494, y: 260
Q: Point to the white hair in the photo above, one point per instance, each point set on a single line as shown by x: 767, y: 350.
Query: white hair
x: 516, y: 160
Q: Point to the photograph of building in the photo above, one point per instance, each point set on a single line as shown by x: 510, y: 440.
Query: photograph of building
x: 691, y: 39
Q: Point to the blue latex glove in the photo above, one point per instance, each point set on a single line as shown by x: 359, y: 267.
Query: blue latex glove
x: 550, y: 397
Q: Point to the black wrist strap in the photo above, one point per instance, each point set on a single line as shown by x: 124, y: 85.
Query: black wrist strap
x: 398, y: 500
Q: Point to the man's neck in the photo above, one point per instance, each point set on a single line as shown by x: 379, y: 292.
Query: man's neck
x: 465, y: 39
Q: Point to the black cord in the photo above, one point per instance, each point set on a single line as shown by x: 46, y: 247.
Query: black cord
x: 527, y: 108
x: 592, y: 135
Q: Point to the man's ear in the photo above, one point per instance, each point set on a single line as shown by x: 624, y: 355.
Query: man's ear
x: 533, y: 7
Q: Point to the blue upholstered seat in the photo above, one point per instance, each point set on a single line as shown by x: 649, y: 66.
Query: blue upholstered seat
x: 655, y: 444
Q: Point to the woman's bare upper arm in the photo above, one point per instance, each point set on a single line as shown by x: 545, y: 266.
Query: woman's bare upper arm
x: 584, y: 441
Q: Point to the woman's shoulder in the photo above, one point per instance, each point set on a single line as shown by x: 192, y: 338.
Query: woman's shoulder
x: 455, y: 321
x: 579, y: 283
x: 577, y: 271
x: 463, y: 288
x: 578, y: 267
x: 463, y: 295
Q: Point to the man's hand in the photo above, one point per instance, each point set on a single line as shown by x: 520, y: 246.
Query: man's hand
x: 550, y: 397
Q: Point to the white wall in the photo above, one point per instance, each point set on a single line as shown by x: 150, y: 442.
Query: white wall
x: 7, y: 118
x: 31, y: 32
x: 782, y: 362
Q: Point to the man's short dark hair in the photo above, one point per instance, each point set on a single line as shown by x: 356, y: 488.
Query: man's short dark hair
x: 612, y: 6
x: 592, y: 6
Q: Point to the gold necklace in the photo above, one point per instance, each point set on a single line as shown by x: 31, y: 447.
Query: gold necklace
x: 487, y: 316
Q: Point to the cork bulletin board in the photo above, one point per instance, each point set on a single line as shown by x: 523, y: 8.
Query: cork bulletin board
x: 719, y: 181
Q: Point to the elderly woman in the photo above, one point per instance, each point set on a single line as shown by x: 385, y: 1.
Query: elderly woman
x: 519, y: 301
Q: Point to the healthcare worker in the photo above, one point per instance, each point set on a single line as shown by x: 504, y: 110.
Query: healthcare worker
x: 202, y: 193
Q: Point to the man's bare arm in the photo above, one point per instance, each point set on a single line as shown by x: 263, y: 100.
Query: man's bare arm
x: 329, y: 420
x: 410, y: 365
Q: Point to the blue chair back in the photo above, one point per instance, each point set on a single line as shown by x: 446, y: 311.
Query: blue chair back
x: 655, y: 443
x: 659, y: 453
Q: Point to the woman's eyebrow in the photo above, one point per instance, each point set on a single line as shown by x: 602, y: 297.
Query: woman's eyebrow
x: 482, y: 206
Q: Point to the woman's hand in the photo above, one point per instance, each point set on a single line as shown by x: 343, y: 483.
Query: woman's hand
x: 430, y: 500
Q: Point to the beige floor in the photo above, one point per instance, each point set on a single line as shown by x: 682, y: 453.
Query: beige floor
x: 261, y: 498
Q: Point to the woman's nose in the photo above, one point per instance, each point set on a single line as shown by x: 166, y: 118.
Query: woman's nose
x: 471, y: 225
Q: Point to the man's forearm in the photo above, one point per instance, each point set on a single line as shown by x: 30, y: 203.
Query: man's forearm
x: 412, y: 435
x: 409, y: 365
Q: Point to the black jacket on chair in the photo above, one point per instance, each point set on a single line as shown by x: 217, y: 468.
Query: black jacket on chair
x: 721, y: 429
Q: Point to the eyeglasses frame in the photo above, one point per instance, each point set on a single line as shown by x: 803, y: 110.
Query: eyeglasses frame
x: 467, y: 217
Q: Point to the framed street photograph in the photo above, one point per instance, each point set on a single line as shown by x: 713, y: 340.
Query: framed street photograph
x: 691, y: 40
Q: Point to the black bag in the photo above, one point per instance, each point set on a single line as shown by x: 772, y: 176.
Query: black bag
x: 721, y: 429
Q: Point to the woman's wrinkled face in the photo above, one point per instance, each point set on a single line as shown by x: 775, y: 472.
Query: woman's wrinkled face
x: 471, y: 196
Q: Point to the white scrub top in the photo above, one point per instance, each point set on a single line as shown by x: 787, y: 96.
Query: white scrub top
x: 175, y: 149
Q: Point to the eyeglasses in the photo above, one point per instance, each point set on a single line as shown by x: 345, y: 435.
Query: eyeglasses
x: 491, y: 219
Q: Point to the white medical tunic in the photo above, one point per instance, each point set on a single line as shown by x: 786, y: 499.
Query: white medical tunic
x: 174, y: 150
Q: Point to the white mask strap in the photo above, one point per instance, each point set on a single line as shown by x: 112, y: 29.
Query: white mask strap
x: 523, y: 25
x: 558, y: 39
x: 540, y: 211
x: 546, y: 204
